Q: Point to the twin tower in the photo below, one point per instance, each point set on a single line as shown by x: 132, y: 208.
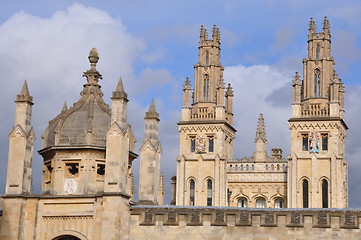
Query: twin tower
x: 315, y: 173
x: 88, y: 148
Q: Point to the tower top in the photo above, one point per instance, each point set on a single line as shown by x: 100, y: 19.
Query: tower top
x: 261, y: 130
x: 119, y: 92
x: 152, y: 112
x: 24, y: 95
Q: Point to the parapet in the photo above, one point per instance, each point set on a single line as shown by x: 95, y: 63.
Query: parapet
x: 204, y: 222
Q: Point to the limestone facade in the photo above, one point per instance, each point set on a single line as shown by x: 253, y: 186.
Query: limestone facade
x: 88, y: 150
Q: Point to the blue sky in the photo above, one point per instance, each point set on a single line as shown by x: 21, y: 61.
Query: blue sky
x: 153, y: 46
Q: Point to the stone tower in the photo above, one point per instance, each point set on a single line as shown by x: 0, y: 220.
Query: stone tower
x: 206, y: 131
x: 317, y: 175
x: 21, y: 141
x: 150, y: 183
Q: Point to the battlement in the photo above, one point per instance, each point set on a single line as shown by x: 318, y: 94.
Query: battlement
x: 230, y: 223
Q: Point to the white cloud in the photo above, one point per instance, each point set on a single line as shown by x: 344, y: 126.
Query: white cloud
x: 253, y: 87
x: 51, y: 54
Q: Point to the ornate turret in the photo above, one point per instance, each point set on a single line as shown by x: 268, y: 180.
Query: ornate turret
x: 206, y: 129
x: 150, y: 179
x: 317, y: 162
x: 261, y: 140
x: 21, y: 144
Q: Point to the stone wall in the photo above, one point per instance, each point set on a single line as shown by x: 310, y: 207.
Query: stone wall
x: 157, y: 222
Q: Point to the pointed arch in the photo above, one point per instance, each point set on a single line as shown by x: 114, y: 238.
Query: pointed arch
x: 192, y: 190
x: 305, y: 192
x: 206, y: 87
x: 317, y: 83
x: 324, y: 185
x: 318, y: 52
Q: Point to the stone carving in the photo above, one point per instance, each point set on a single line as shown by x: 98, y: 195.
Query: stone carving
x: 244, y: 217
x: 70, y: 186
x: 322, y: 218
x: 201, y: 144
x: 314, y: 141
x: 195, y: 217
x: 171, y: 216
x: 296, y: 218
x: 350, y: 219
x: 219, y: 216
x: 148, y: 217
x: 269, y: 218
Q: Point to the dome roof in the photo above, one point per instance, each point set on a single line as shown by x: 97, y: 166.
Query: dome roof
x: 87, y: 121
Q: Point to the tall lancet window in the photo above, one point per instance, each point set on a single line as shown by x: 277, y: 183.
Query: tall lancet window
x: 206, y: 87
x: 318, y: 49
x: 324, y: 193
x: 209, y: 192
x: 207, y: 59
x: 317, y: 83
x: 305, y: 193
x: 192, y: 186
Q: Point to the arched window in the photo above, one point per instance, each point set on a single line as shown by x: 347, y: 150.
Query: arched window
x: 207, y: 59
x: 209, y: 192
x: 242, y: 202
x: 317, y: 83
x: 260, y: 203
x: 206, y: 87
x: 279, y: 203
x: 318, y: 49
x: 252, y: 167
x: 192, y: 186
x: 242, y: 168
x: 266, y: 167
x: 67, y: 237
x: 324, y: 193
x: 247, y: 167
x: 236, y: 167
x: 305, y: 193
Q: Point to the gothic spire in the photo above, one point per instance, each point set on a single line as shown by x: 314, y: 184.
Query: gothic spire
x: 261, y: 130
x: 312, y: 28
x: 119, y: 92
x: 326, y: 26
x: 215, y: 33
x: 203, y: 34
x: 24, y: 95
x: 152, y: 112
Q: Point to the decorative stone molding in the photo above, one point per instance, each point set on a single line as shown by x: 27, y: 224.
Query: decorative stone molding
x: 232, y: 216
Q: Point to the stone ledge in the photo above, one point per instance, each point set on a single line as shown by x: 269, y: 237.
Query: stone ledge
x: 228, y: 216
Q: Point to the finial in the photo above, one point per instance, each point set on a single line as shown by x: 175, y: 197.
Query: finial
x: 65, y: 107
x: 203, y: 34
x: 92, y: 75
x: 93, y: 56
x: 335, y: 78
x: 152, y: 112
x: 216, y: 34
x: 24, y: 95
x: 312, y: 28
x: 229, y: 92
x: 119, y: 92
x: 296, y: 80
x: 187, y: 84
x: 261, y: 129
x: 326, y: 26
